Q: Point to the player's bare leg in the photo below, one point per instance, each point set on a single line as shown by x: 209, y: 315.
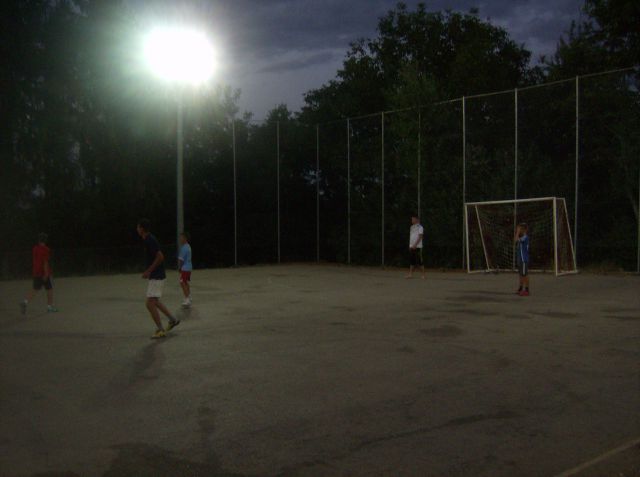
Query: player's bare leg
x: 186, y: 289
x: 50, y: 307
x: 410, y: 275
x: 173, y: 322
x: 152, y: 306
x: 165, y: 311
x: 28, y: 298
x: 423, y: 273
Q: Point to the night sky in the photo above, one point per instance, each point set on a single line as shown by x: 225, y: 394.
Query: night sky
x: 276, y: 50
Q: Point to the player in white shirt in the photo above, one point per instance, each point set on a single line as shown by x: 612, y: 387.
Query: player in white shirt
x: 416, y: 236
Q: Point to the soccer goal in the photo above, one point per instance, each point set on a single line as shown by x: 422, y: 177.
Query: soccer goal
x: 490, y: 229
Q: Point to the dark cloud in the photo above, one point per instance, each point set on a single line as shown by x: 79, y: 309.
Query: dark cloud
x: 303, y: 61
x: 275, y: 50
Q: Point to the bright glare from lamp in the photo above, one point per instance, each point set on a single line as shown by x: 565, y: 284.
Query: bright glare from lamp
x: 179, y: 55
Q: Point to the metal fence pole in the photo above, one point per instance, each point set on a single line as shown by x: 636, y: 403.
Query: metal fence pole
x: 235, y: 195
x: 382, y: 184
x: 318, y: 193
x: 348, y: 191
x: 515, y: 149
x: 638, y: 257
x: 515, y: 174
x: 577, y: 176
x: 464, y: 174
x: 419, y: 160
x: 278, y: 181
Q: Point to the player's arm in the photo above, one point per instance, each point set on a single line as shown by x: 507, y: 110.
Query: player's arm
x: 156, y: 263
x: 516, y: 237
x: 180, y: 263
x: 420, y: 237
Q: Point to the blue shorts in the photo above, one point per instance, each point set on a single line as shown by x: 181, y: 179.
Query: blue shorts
x: 523, y: 269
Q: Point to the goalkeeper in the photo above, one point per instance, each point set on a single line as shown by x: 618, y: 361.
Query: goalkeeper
x: 521, y: 240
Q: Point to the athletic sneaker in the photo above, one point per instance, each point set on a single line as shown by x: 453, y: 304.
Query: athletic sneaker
x: 158, y: 334
x: 524, y: 293
x: 186, y: 303
x: 52, y: 309
x: 23, y: 307
x: 172, y: 324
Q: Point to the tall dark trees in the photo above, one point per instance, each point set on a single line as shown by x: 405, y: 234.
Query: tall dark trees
x: 608, y: 38
x: 419, y: 57
x: 88, y: 139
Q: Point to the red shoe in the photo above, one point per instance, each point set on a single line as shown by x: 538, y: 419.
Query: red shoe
x: 524, y: 293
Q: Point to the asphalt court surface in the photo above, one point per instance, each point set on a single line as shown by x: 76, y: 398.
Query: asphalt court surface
x: 318, y: 370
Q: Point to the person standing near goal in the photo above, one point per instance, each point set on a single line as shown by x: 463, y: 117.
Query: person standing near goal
x: 156, y: 276
x: 41, y: 254
x: 522, y: 258
x: 416, y: 236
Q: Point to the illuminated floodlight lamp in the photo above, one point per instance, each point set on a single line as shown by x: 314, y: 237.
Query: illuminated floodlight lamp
x: 184, y: 56
x: 179, y: 55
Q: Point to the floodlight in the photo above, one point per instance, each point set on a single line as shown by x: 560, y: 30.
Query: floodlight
x: 179, y: 55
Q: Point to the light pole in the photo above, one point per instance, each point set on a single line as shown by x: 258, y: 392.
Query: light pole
x: 180, y: 167
x: 182, y: 57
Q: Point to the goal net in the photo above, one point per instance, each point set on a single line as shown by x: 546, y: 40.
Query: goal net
x: 490, y: 230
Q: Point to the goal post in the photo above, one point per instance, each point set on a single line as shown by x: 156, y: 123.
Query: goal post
x: 490, y: 228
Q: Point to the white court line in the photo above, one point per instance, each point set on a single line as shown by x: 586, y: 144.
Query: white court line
x: 599, y: 459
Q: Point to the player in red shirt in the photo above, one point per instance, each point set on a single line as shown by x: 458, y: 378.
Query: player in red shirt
x: 41, y: 274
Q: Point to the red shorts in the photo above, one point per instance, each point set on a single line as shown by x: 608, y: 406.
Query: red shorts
x: 185, y: 277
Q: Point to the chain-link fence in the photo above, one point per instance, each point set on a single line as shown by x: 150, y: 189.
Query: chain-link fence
x: 344, y: 191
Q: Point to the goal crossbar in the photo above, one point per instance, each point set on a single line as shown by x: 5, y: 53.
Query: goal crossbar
x: 515, y: 201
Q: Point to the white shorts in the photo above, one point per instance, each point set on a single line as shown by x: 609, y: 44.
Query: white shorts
x: 154, y: 289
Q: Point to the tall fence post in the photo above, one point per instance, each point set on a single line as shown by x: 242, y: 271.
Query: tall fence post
x: 419, y: 160
x: 349, y: 191
x: 278, y: 181
x: 515, y: 173
x: 638, y: 257
x: 235, y: 194
x: 318, y: 193
x: 577, y: 175
x: 464, y: 175
x: 382, y: 177
x: 515, y: 148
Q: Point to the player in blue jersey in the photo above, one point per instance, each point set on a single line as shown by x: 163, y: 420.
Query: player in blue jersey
x: 185, y: 267
x: 521, y: 240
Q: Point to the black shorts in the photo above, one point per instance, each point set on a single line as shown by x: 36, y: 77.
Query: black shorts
x: 39, y: 282
x: 523, y: 269
x: 415, y: 256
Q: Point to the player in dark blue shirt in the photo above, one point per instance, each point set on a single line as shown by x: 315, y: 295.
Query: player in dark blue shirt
x: 156, y: 275
x: 522, y: 258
